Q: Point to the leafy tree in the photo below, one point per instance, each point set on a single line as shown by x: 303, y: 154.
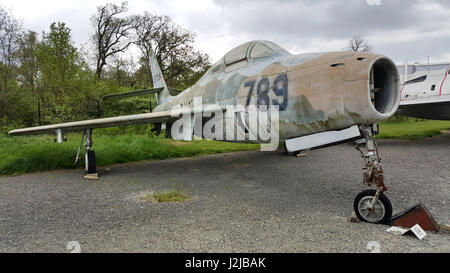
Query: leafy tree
x: 121, y: 71
x: 28, y: 70
x: 50, y: 73
x: 143, y: 74
x: 58, y: 58
x: 59, y: 66
x: 10, y: 29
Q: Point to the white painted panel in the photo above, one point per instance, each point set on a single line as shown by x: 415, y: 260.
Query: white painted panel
x: 319, y: 139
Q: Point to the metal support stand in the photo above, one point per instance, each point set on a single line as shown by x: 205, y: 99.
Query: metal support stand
x: 79, y: 148
x: 59, y: 136
x: 90, y: 164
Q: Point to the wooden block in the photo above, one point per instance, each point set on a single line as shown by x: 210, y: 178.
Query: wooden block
x: 445, y: 227
x: 353, y: 218
x: 91, y: 176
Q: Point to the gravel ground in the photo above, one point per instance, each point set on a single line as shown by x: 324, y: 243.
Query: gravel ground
x: 240, y: 202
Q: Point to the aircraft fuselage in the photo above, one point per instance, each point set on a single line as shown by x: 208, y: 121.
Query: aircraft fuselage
x: 314, y: 92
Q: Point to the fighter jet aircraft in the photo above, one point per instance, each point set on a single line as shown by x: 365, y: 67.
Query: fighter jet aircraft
x: 427, y: 94
x: 322, y: 99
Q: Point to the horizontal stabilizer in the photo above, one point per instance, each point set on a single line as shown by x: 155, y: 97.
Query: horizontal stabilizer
x: 133, y: 93
x: 172, y: 92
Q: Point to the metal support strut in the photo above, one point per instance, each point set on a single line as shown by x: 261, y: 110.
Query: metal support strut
x: 79, y: 148
x: 59, y: 136
x: 373, y: 174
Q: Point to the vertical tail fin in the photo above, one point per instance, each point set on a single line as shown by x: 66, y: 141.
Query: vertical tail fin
x: 158, y: 79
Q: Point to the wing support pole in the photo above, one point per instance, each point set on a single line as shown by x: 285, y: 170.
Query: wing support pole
x: 59, y: 136
x: 90, y: 164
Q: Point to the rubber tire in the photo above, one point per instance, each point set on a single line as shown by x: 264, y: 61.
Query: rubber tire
x: 92, y: 167
x: 383, y: 199
x: 168, y: 130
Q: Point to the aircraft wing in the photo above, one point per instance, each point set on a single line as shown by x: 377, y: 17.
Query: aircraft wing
x: 98, y: 123
x: 437, y: 107
x: 430, y: 100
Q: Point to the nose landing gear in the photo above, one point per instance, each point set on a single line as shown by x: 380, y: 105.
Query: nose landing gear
x: 372, y: 205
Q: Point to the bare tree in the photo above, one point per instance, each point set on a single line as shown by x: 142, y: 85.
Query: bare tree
x: 358, y: 44
x: 112, y: 33
x: 149, y: 31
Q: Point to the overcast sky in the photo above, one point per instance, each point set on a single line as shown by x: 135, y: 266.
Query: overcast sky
x: 401, y: 29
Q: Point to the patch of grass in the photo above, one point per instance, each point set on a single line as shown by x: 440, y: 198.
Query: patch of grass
x: 25, y: 154
x: 171, y: 196
x: 412, y: 128
x: 161, y: 197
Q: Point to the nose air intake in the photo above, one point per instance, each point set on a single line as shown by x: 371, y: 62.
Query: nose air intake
x: 384, y: 87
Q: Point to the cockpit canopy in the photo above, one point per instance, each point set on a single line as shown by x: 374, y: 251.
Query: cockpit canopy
x: 250, y: 50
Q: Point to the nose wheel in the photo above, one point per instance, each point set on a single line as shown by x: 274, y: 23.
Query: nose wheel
x: 379, y: 213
